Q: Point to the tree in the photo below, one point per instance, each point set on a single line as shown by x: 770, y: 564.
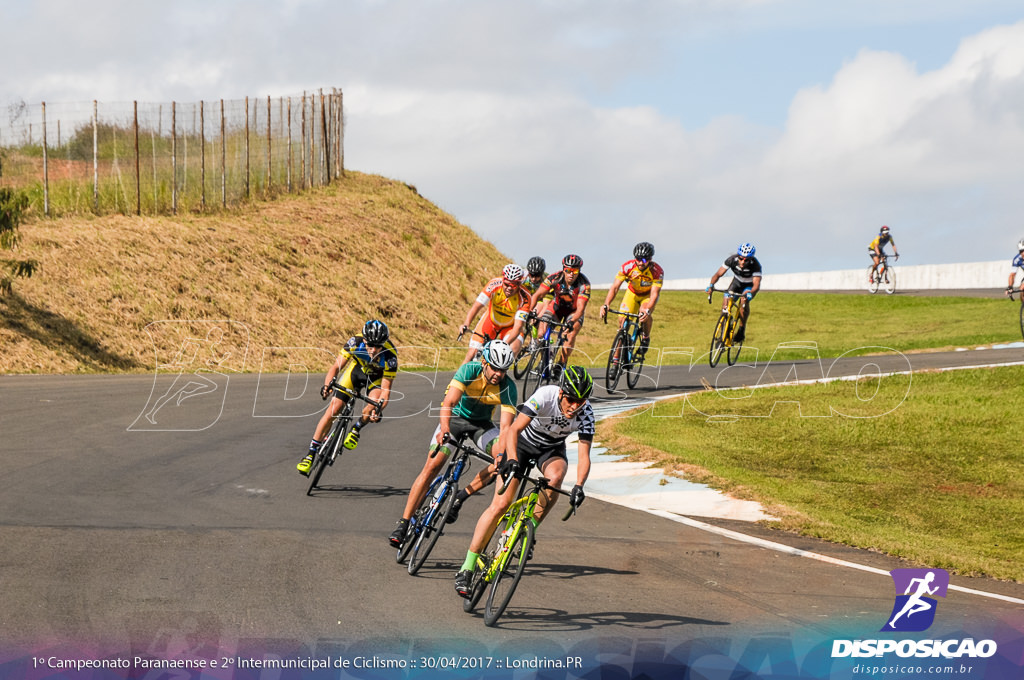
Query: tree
x: 13, y: 205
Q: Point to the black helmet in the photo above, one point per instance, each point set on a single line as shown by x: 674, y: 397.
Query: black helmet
x: 375, y: 333
x: 576, y: 383
x: 643, y: 250
x: 572, y: 262
x: 536, y: 266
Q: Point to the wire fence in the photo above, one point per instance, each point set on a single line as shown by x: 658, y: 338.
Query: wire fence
x: 166, y: 158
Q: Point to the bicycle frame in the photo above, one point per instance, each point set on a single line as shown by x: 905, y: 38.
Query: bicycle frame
x: 723, y: 338
x: 426, y: 527
x: 622, y: 356
x: 544, y: 356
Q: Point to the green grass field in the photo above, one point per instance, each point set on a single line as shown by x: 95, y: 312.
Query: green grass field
x: 935, y: 480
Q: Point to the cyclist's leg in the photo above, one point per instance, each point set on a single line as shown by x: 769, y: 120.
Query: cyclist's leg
x: 483, y: 332
x: 553, y: 465
x: 875, y: 259
x: 630, y: 304
x: 483, y: 531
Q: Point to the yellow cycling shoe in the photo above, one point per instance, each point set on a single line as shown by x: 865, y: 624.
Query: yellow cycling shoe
x: 305, y: 464
x: 352, y: 440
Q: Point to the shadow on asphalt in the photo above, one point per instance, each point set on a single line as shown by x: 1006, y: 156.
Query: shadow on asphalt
x: 539, y: 619
x: 366, y: 491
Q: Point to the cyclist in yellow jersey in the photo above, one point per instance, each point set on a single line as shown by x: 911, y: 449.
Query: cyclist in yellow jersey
x: 368, y: 361
x: 645, y: 278
x: 875, y: 249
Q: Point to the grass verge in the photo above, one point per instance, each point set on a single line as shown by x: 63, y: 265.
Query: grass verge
x: 935, y: 480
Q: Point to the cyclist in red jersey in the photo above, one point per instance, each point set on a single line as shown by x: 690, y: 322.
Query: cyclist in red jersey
x: 506, y: 305
x: 571, y: 290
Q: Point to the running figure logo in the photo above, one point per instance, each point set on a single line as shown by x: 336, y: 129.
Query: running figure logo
x: 914, y: 611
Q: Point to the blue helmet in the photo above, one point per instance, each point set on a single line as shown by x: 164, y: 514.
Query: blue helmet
x: 746, y: 250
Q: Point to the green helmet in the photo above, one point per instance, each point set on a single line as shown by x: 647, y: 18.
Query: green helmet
x: 576, y: 382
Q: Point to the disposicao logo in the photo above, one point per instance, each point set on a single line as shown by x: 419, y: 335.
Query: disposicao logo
x: 914, y: 610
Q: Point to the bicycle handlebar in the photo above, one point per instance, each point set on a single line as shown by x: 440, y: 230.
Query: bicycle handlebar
x: 355, y: 395
x: 620, y: 313
x: 461, y: 444
x: 542, y: 483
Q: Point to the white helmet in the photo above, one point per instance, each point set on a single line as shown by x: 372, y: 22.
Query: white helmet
x: 1020, y: 244
x: 512, y: 272
x: 498, y: 355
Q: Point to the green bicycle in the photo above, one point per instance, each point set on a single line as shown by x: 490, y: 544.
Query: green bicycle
x: 501, y: 566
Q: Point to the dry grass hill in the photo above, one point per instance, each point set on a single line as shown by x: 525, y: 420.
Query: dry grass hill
x: 266, y: 287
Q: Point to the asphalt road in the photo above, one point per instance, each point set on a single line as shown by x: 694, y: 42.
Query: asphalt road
x: 191, y: 533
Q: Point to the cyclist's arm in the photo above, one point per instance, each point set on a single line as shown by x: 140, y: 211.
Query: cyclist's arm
x: 473, y: 311
x: 335, y: 370
x: 541, y: 291
x: 504, y: 426
x: 385, y: 392
x: 521, y: 422
x: 755, y: 285
x: 451, y: 398
x: 581, y: 309
x: 717, y: 275
x: 613, y: 290
x: 583, y: 461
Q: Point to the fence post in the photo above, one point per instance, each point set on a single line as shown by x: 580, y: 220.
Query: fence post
x: 95, y: 158
x: 302, y: 145
x: 174, y: 158
x: 202, y: 155
x: 288, y: 168
x: 138, y: 181
x: 46, y: 170
x: 247, y: 147
x: 269, y: 157
x: 224, y: 157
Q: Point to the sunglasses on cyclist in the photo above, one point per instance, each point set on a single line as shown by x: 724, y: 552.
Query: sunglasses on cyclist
x: 571, y: 270
x: 574, y: 402
x: 508, y: 283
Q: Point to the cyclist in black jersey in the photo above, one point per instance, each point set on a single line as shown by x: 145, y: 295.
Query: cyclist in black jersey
x: 746, y: 281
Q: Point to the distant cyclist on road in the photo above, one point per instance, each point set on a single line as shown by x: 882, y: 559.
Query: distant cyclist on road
x: 746, y: 281
x: 876, y: 252
x: 571, y: 290
x: 477, y: 388
x: 539, y: 432
x: 645, y: 278
x: 1016, y: 263
x: 535, y: 274
x: 505, y: 306
x: 368, y: 361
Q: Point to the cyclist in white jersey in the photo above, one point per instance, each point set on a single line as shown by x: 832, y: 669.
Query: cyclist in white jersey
x: 539, y: 432
x: 1015, y: 264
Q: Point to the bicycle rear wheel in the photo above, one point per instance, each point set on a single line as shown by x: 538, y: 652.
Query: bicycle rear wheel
x: 889, y: 280
x: 718, y: 340
x: 872, y: 281
x: 432, y: 527
x: 733, y: 351
x: 522, y: 362
x: 1022, y: 316
x: 615, y: 358
x: 506, y: 580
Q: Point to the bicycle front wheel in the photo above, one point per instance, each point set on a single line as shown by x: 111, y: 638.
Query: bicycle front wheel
x: 889, y: 280
x: 433, y: 523
x: 634, y: 368
x: 718, y: 340
x: 506, y: 580
x: 1022, y: 316
x: 330, y: 449
x: 533, y: 378
x: 615, y: 358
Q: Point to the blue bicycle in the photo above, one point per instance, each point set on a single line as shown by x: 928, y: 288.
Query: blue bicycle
x: 427, y: 523
x: 625, y: 355
x: 543, y: 367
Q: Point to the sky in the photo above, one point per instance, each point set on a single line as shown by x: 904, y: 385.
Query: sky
x: 571, y: 126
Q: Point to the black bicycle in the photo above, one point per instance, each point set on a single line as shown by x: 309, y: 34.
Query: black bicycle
x: 625, y: 356
x: 427, y: 523
x: 543, y: 366
x: 333, y: 445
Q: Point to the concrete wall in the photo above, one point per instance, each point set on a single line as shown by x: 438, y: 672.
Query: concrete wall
x: 916, y: 277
